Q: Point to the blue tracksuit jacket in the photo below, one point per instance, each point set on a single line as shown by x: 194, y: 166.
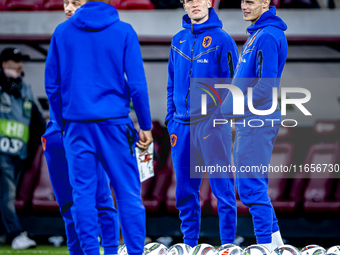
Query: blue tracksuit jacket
x: 112, y: 98
x: 260, y: 66
x: 193, y: 54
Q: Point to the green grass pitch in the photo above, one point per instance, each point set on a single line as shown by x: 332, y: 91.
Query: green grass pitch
x: 40, y: 249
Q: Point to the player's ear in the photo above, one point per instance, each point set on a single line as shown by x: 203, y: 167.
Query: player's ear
x: 183, y: 2
x: 209, y: 3
x: 266, y: 4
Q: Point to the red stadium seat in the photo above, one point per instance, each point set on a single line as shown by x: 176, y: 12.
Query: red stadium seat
x: 285, y: 194
x: 284, y: 134
x: 154, y: 189
x: 281, y: 156
x: 116, y: 3
x: 336, y: 202
x: 159, y: 188
x: 170, y: 201
x: 275, y: 3
x: 215, y: 4
x: 319, y: 187
x: 29, y: 179
x: 137, y: 5
x: 24, y: 5
x: 54, y: 5
x: 2, y: 4
x: 146, y: 187
x: 43, y: 197
x: 318, y: 195
x: 327, y: 130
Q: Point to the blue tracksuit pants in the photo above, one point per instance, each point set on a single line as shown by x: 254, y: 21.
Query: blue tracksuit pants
x: 253, y: 148
x: 59, y: 176
x: 87, y: 145
x: 192, y: 146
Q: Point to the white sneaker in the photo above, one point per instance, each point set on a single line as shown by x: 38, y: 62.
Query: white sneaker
x: 22, y: 242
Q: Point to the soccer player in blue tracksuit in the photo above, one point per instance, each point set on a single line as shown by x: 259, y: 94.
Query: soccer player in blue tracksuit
x: 93, y: 68
x: 58, y: 171
x: 201, y: 50
x: 260, y: 67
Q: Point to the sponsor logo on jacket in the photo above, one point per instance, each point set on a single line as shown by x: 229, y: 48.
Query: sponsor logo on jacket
x: 203, y: 61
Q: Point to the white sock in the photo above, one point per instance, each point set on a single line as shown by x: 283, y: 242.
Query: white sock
x: 276, y: 240
x: 267, y: 245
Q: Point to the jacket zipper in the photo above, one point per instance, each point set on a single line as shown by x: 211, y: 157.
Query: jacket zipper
x: 260, y: 63
x: 231, y: 64
x: 192, y: 50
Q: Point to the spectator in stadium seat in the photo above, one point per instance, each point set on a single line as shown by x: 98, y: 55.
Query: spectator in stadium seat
x: 260, y: 67
x: 15, y: 116
x: 88, y: 59
x: 201, y: 50
x: 58, y: 170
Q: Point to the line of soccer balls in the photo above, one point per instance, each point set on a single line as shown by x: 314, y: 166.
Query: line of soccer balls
x: 231, y: 249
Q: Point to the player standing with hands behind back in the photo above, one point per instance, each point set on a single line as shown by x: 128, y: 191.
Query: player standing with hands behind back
x: 90, y: 93
x: 260, y: 68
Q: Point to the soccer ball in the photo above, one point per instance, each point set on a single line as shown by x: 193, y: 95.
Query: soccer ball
x: 179, y: 249
x: 122, y: 250
x: 256, y: 249
x: 203, y: 249
x: 313, y: 249
x: 286, y: 250
x: 333, y: 250
x: 155, y: 249
x: 229, y: 249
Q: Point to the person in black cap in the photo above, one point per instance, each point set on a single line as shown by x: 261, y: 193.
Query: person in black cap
x: 11, y: 70
x: 16, y: 103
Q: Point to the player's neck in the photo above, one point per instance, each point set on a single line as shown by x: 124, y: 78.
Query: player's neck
x: 104, y: 1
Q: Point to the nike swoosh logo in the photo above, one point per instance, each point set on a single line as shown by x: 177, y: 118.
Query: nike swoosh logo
x: 206, y: 136
x: 182, y: 41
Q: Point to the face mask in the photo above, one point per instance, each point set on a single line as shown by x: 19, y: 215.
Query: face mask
x: 10, y: 86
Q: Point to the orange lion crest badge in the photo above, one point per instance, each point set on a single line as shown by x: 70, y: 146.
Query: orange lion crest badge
x: 173, y: 140
x: 206, y: 41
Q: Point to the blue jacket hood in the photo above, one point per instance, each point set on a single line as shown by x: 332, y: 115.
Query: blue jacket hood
x: 94, y: 16
x: 212, y: 22
x: 268, y: 18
